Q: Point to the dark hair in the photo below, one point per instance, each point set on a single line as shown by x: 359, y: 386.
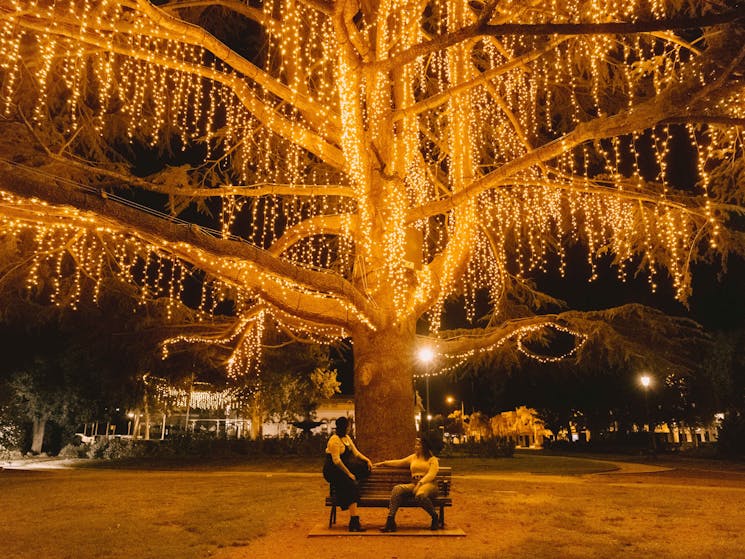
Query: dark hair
x: 341, y: 426
x: 426, y: 447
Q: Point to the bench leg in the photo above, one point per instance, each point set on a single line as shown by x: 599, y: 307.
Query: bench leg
x: 332, y: 516
x: 442, y: 516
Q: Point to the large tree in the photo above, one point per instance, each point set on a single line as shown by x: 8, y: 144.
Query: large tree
x: 347, y: 168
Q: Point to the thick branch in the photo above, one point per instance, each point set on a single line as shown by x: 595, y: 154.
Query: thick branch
x: 187, y: 32
x: 277, y: 123
x: 672, y: 103
x: 254, y: 263
x: 617, y: 28
x: 483, y: 339
x: 316, y: 225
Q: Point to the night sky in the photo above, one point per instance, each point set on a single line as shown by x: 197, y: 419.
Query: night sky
x: 717, y: 303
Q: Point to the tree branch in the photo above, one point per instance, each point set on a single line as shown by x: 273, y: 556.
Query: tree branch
x: 198, y: 36
x: 441, y: 98
x: 251, y: 265
x: 316, y: 225
x: 618, y: 28
x: 293, y: 131
x: 613, y: 28
x: 454, y: 345
x: 705, y: 119
x: 234, y: 5
x: 671, y: 103
x: 248, y: 191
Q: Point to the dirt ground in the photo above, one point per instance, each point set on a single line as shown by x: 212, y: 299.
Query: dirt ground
x: 688, y: 510
x: 635, y: 512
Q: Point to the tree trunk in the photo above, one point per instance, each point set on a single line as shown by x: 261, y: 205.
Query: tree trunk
x: 384, y: 392
x: 37, y: 442
x: 147, y: 416
x: 256, y: 418
x: 136, y: 425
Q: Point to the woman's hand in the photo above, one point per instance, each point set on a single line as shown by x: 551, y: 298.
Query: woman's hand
x: 352, y: 476
x: 369, y: 464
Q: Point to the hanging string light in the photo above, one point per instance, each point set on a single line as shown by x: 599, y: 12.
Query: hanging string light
x: 389, y: 140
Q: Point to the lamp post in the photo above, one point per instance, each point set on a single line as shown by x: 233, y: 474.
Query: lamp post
x: 450, y: 400
x: 426, y: 357
x: 646, y: 380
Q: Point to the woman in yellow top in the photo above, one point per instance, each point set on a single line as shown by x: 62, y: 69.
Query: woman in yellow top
x: 424, y: 466
x: 344, y: 467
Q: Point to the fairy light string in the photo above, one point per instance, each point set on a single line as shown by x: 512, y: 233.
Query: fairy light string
x: 396, y: 139
x: 453, y: 361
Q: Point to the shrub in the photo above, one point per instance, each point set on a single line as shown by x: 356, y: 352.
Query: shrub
x: 11, y: 435
x: 200, y: 445
x: 73, y: 450
x: 113, y: 448
x: 494, y: 447
x: 732, y: 435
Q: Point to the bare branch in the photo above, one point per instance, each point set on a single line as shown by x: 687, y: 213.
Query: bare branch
x: 616, y: 28
x: 613, y: 28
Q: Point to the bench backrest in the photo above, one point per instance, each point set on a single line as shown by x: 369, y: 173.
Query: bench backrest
x: 382, y: 480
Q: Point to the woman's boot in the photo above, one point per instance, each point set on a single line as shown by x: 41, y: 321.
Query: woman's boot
x: 354, y: 524
x: 390, y: 525
x: 435, y: 522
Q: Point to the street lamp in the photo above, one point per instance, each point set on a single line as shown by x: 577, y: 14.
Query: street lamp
x: 646, y: 380
x: 426, y: 356
x: 450, y: 400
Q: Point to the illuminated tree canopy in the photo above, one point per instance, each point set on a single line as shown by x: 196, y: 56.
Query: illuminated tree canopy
x: 346, y: 168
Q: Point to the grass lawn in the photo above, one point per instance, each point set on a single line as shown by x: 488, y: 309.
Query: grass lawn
x: 265, y: 508
x: 528, y: 462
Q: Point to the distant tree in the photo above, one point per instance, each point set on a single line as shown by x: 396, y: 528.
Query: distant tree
x: 80, y: 359
x: 724, y: 369
x: 479, y: 426
x: 294, y: 379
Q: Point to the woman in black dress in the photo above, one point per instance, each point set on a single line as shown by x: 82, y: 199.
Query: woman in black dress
x: 344, y: 467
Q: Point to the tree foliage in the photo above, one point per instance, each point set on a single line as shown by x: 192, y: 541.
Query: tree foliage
x: 293, y: 381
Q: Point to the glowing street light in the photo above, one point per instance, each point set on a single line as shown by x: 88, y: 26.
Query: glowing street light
x: 646, y: 381
x: 426, y: 355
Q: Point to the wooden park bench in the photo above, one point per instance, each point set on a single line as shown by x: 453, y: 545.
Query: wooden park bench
x: 375, y: 491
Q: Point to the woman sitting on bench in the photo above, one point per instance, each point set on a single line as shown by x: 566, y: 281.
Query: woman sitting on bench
x: 424, y: 466
x: 344, y: 467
